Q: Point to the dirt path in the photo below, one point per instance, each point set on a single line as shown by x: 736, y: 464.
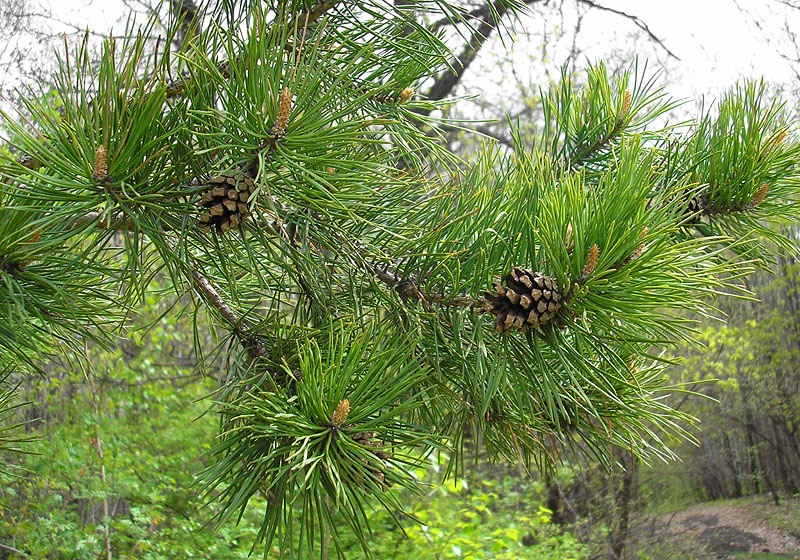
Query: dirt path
x: 711, y: 531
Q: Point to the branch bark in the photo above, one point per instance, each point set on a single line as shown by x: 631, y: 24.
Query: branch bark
x: 488, y: 14
x: 240, y: 329
x: 14, y: 550
x: 185, y: 12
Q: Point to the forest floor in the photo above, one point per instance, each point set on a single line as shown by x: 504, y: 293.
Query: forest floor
x: 721, y: 530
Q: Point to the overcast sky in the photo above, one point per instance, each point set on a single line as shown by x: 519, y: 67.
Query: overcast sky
x: 716, y: 42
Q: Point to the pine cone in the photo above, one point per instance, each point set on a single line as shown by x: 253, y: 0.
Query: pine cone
x: 694, y: 209
x: 225, y: 202
x: 366, y: 439
x: 529, y: 299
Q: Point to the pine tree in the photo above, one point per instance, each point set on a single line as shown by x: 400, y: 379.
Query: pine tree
x: 376, y: 298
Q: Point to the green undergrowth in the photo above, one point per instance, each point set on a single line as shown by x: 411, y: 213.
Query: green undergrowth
x: 481, y: 516
x: 156, y: 430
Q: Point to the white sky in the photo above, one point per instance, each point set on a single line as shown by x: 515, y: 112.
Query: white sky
x: 716, y: 42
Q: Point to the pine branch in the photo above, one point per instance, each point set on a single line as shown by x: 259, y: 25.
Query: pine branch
x: 304, y: 19
x: 216, y: 301
x: 709, y: 209
x: 583, y: 156
x: 619, y: 125
x: 239, y: 328
x: 409, y: 289
x: 177, y: 86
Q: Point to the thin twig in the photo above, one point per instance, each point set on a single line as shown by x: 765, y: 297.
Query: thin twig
x: 636, y: 21
x: 15, y: 550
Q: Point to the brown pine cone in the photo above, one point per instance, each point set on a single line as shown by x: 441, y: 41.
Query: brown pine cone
x: 367, y: 440
x: 224, y: 203
x: 528, y: 300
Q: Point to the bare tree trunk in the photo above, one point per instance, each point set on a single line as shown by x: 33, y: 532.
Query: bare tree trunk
x: 784, y: 464
x: 622, y: 502
x: 87, y: 370
x: 735, y: 482
x: 186, y: 12
x: 553, y: 498
x: 791, y: 437
x: 751, y: 458
x: 758, y: 456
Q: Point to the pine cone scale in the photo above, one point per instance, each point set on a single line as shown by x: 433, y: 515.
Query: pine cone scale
x: 529, y: 299
x: 225, y: 202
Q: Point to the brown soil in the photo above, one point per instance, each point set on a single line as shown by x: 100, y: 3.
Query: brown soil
x: 712, y: 532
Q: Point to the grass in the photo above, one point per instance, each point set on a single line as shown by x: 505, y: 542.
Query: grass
x: 762, y: 556
x: 784, y: 518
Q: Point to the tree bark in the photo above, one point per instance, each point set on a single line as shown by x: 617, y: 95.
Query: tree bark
x: 553, y: 498
x: 736, y: 485
x: 622, y: 501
